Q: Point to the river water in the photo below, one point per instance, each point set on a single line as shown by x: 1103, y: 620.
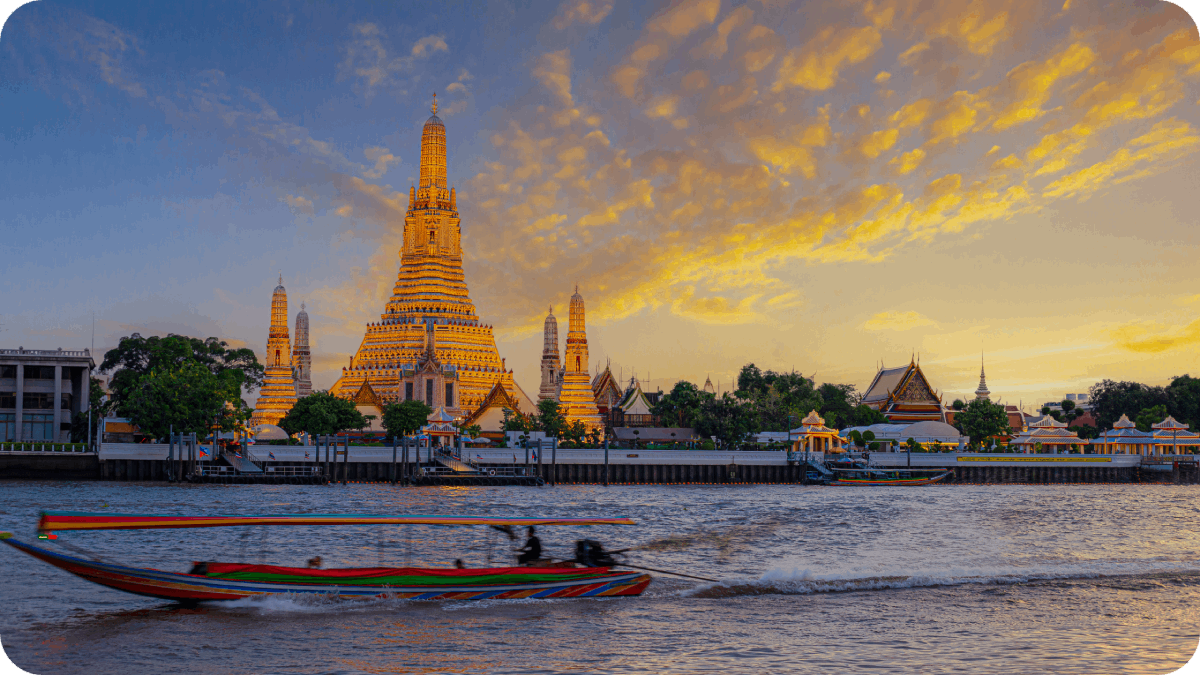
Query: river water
x: 971, y: 579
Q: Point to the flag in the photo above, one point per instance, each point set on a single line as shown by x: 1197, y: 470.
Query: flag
x: 272, y: 455
x: 479, y: 457
x: 514, y: 459
x: 203, y: 452
x: 535, y: 455
x: 305, y: 455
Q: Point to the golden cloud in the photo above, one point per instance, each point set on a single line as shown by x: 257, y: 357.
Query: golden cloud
x: 553, y: 70
x: 818, y: 64
x: 589, y: 12
x: 897, y: 321
x: 1140, y: 339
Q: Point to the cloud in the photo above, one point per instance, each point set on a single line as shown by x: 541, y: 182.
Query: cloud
x: 897, y: 321
x: 1141, y: 339
x: 818, y: 64
x: 553, y: 70
x: 300, y: 204
x: 382, y: 157
x: 587, y: 12
x: 429, y: 44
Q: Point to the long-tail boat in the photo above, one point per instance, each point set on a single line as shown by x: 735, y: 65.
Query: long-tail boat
x: 231, y: 581
x: 871, y: 476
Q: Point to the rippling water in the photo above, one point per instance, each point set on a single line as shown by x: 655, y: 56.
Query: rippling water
x: 995, y: 579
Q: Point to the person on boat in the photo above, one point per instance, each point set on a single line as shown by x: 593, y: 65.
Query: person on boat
x: 591, y: 553
x: 314, y: 563
x: 532, y: 549
x: 459, y: 564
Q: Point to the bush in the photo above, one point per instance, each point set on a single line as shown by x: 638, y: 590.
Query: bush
x: 708, y: 445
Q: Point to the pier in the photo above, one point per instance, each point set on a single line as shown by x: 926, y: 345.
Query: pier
x: 509, y: 466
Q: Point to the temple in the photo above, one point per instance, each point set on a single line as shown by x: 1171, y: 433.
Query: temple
x: 551, y: 365
x: 301, y: 357
x: 278, y: 392
x: 606, y: 392
x: 429, y: 344
x: 903, y: 395
x: 576, y: 399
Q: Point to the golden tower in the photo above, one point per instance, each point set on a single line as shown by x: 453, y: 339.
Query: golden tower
x: 301, y: 357
x: 430, y: 292
x: 278, y: 393
x: 576, y: 398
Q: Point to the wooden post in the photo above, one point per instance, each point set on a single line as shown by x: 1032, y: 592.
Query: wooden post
x: 541, y: 474
x: 554, y: 459
x: 345, y: 457
x: 606, y: 462
x: 392, y: 473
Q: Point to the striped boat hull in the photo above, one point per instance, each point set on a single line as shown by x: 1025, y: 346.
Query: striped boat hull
x: 597, y: 582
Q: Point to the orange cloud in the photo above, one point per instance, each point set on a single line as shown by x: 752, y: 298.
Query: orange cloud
x: 818, y: 64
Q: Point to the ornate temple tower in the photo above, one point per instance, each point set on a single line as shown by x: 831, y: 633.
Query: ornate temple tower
x: 430, y: 294
x: 576, y: 398
x: 301, y: 358
x: 982, y: 392
x: 278, y: 393
x: 708, y: 386
x: 551, y: 364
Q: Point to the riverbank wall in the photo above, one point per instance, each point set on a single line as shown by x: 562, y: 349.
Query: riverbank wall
x: 298, y: 464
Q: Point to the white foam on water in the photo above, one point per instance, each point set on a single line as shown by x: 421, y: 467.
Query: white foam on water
x: 797, y: 581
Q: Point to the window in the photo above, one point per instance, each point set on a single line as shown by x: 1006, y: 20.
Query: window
x: 8, y: 371
x: 408, y: 391
x: 37, y: 401
x: 8, y: 426
x: 37, y: 427
x: 449, y: 394
x: 65, y: 403
x: 39, y: 372
x: 8, y: 399
x: 429, y: 392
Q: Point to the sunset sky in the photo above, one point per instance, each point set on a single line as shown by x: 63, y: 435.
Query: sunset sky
x: 818, y: 185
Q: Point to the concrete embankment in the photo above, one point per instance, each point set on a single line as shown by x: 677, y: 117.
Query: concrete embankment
x: 299, y: 464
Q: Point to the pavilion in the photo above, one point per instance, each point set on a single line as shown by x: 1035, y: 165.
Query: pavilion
x: 1125, y: 439
x: 929, y: 433
x: 1169, y: 435
x: 814, y: 436
x: 1050, y: 434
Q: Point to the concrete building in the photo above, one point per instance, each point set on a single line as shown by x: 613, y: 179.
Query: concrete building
x: 40, y: 391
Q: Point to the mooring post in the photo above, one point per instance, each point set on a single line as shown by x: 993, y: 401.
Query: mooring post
x: 606, y: 462
x: 525, y: 444
x: 554, y: 459
x: 170, y: 453
x: 404, y: 459
x: 541, y: 451
x: 345, y: 457
x: 393, y: 468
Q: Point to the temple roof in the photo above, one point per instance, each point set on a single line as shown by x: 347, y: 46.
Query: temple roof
x: 367, y: 396
x: 813, y: 418
x: 634, y: 402
x: 1124, y: 423
x: 1169, y: 424
x: 439, y: 416
x: 885, y: 382
x: 497, y: 397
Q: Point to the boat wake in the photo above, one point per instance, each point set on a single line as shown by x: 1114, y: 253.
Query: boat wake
x: 780, y: 581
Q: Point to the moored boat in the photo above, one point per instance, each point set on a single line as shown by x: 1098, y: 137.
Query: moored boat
x: 230, y: 581
x: 870, y: 476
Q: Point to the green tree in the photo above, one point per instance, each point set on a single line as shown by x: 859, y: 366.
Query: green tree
x: 515, y: 420
x: 1111, y: 399
x: 80, y: 432
x: 958, y: 404
x: 406, y: 418
x: 680, y: 406
x: 865, y: 416
x: 550, y: 418
x: 1148, y: 416
x: 322, y: 413
x: 472, y: 431
x: 981, y: 419
x: 188, y: 397
x: 1183, y: 396
x: 837, y: 404
x: 135, y: 356
x: 728, y: 418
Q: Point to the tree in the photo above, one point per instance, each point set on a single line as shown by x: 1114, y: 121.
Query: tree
x: 728, y: 418
x: 147, y: 368
x: 865, y: 416
x: 1111, y: 399
x: 1148, y: 416
x: 837, y: 404
x: 405, y: 419
x: 80, y: 432
x: 471, y: 431
x: 1183, y: 396
x: 681, y: 405
x: 981, y: 419
x: 188, y: 398
x: 322, y: 413
x: 958, y: 404
x: 550, y: 418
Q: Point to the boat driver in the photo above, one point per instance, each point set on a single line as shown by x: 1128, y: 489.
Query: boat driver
x: 532, y: 549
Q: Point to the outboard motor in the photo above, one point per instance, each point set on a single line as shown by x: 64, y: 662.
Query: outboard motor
x: 590, y: 553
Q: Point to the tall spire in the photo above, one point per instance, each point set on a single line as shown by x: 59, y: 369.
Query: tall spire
x: 433, y: 152
x: 433, y: 108
x: 982, y: 392
x: 550, y: 362
x: 278, y: 391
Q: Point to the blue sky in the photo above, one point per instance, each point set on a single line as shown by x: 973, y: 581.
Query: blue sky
x: 817, y: 185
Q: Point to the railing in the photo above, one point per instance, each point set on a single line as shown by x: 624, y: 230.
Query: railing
x: 76, y: 448
x: 455, y: 463
x: 44, y: 352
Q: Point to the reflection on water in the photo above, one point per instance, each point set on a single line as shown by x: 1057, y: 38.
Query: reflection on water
x: 1014, y: 579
